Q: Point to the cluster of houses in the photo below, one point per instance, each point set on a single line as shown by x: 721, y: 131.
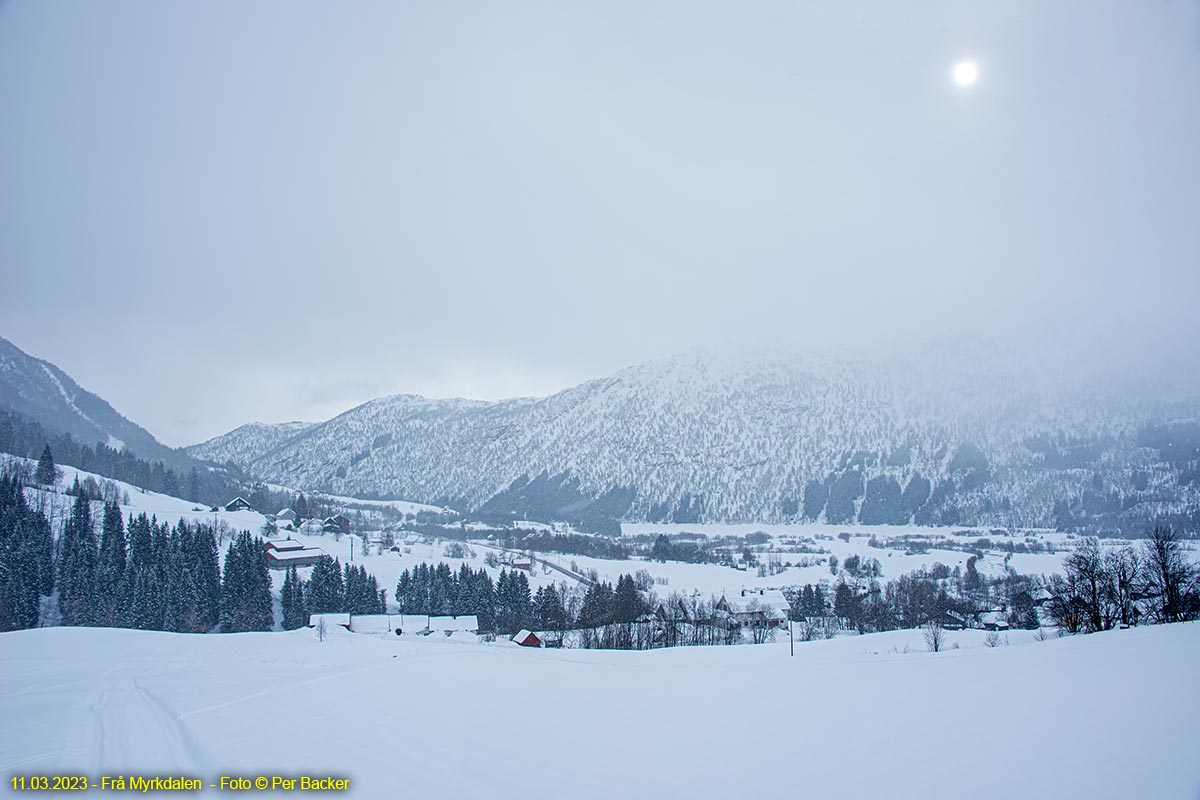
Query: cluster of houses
x: 992, y: 619
x: 394, y: 541
x: 288, y: 520
x: 761, y: 608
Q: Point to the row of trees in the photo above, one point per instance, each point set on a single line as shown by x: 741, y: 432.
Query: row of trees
x: 130, y: 573
x: 913, y: 600
x: 23, y: 436
x: 1099, y: 590
x: 27, y: 556
x: 507, y: 605
x: 330, y: 588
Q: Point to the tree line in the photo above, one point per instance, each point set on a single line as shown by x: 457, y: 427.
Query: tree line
x: 23, y: 436
x: 1099, y: 590
x: 507, y: 605
x: 330, y: 588
x: 133, y: 572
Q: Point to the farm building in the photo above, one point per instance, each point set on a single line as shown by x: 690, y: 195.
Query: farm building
x: 994, y: 621
x: 523, y: 563
x: 286, y: 516
x: 377, y: 623
x: 413, y: 624
x: 336, y: 524
x: 527, y: 639
x: 771, y: 610
x: 330, y: 620
x: 300, y: 557
x: 283, y: 545
x: 953, y: 621
x: 311, y: 527
x: 238, y: 504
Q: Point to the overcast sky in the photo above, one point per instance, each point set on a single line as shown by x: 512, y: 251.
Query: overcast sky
x: 219, y: 212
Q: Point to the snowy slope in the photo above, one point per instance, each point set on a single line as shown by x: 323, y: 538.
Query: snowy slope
x: 856, y: 717
x: 56, y: 504
x: 254, y: 437
x: 40, y: 390
x: 719, y: 436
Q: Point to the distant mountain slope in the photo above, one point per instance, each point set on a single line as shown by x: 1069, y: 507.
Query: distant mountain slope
x: 712, y: 436
x: 42, y: 391
x: 244, y: 443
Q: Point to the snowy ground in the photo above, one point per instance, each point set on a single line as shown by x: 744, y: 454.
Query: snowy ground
x: 1110, y: 715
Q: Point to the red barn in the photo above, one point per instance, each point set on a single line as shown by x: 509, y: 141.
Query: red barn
x: 527, y: 639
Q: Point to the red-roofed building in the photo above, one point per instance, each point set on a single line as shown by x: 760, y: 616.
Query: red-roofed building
x: 527, y: 639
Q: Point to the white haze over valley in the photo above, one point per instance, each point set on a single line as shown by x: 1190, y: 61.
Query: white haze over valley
x: 673, y: 399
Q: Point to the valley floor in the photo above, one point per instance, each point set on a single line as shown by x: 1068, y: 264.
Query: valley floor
x: 1108, y: 715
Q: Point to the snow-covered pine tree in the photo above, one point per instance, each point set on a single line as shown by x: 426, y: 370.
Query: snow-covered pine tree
x: 294, y: 615
x: 46, y: 473
x: 483, y: 600
x: 111, y: 568
x: 246, y: 587
x: 627, y: 603
x: 193, y: 490
x: 324, y: 591
x: 206, y: 571
x: 26, y: 551
x: 77, y: 597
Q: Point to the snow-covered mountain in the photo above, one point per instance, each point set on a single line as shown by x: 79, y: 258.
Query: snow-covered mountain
x: 255, y: 437
x: 940, y: 437
x: 42, y: 391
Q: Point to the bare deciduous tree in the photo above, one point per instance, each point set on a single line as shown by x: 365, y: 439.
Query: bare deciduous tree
x: 935, y: 636
x: 1170, y: 578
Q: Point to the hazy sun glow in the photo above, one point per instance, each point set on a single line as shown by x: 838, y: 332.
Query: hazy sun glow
x: 966, y: 73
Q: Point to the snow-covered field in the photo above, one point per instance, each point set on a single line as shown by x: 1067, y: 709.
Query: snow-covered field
x: 1111, y: 715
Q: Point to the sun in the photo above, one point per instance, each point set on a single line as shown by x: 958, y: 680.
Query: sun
x: 966, y: 73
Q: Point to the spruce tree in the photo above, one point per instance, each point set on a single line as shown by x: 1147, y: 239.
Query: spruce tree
x: 77, y: 566
x: 47, y: 473
x: 549, y: 610
x: 26, y: 552
x: 111, y: 569
x: 627, y: 603
x: 193, y: 491
x: 325, y: 593
x: 206, y: 572
x: 294, y: 615
x: 137, y: 591
x: 246, y: 588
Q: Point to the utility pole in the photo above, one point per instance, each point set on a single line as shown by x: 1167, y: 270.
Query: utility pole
x: 791, y: 639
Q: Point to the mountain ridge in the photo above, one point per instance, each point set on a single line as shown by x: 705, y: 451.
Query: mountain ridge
x: 747, y: 436
x: 44, y: 392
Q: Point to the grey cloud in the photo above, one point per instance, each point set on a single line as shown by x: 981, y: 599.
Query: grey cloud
x: 279, y: 210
